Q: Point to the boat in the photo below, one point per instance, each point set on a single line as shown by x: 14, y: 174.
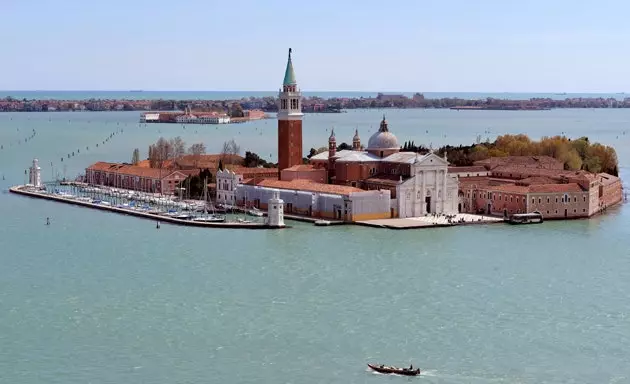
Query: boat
x: 394, y: 370
x: 321, y: 223
x: 526, y: 218
x: 255, y: 212
x: 210, y: 219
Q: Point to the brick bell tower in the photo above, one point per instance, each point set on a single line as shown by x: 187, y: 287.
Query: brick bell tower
x: 289, y: 121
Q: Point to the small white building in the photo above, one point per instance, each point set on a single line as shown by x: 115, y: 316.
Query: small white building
x: 227, y: 181
x: 275, y: 210
x: 35, y: 174
x: 149, y: 117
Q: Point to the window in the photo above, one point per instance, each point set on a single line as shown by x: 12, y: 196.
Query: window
x: 533, y: 200
x: 275, y: 207
x: 511, y: 199
x: 575, y: 211
x: 574, y: 199
x: 584, y: 198
x: 547, y: 212
x: 583, y: 210
x: 547, y: 201
x: 556, y: 199
x: 539, y: 200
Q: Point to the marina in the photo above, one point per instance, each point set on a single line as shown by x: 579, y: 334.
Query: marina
x: 143, y: 206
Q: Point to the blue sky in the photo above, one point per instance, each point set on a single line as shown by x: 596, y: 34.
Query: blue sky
x: 427, y: 46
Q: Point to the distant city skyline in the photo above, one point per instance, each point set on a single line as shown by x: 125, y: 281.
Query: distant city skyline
x: 367, y: 46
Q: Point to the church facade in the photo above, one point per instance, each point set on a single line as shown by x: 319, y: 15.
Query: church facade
x: 418, y: 184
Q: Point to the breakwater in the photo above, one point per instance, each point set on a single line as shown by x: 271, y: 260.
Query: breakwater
x: 22, y: 190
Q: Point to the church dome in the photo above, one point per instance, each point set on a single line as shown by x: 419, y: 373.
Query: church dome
x: 383, y: 139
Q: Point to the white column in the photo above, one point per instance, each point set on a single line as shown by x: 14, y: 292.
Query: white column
x: 444, y: 194
x: 423, y: 194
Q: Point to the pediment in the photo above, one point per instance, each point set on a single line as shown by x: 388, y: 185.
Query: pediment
x: 431, y: 159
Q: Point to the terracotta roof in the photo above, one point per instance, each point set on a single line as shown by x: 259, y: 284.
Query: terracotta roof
x: 385, y: 179
x: 310, y: 186
x: 509, y: 188
x: 555, y: 188
x: 302, y: 168
x: 131, y: 170
x: 607, y: 179
x: 248, y: 172
x: 522, y: 161
x: 473, y: 168
x: 207, y: 161
x: 536, y: 180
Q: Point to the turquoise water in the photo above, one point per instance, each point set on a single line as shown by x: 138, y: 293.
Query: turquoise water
x: 99, y: 297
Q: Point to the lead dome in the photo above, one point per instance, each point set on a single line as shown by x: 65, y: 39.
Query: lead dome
x: 383, y: 139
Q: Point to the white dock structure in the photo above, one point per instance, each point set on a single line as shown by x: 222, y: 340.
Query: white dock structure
x: 275, y: 210
x: 35, y: 174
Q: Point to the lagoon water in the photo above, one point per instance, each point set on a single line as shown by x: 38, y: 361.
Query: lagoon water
x: 103, y: 298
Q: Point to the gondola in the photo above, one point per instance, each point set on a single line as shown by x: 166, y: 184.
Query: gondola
x: 393, y: 370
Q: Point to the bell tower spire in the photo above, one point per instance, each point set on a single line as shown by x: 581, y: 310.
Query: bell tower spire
x: 289, y: 120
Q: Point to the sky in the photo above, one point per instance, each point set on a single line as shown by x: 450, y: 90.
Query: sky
x: 398, y: 45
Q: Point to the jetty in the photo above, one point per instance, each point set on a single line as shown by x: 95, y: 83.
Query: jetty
x: 432, y: 221
x: 38, y: 193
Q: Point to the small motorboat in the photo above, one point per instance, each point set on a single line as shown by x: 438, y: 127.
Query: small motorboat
x: 255, y: 212
x: 394, y: 370
x: 322, y: 223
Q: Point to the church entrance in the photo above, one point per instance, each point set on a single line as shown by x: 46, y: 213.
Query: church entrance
x: 427, y: 200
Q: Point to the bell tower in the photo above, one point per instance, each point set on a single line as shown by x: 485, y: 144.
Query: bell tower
x: 289, y: 121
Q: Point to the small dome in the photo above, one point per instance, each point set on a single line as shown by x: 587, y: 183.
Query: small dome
x: 356, y: 136
x: 332, y: 135
x: 383, y: 139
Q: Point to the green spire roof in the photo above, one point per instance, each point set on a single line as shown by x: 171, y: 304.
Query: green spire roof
x: 289, y: 75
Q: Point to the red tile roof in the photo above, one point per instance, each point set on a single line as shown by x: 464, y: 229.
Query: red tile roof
x: 131, y: 170
x: 302, y: 168
x: 310, y: 186
x: 509, y: 188
x: 607, y: 179
x: 555, y: 188
x: 521, y: 161
x: 471, y: 169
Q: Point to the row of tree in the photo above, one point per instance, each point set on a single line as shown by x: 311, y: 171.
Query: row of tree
x: 575, y: 154
x: 164, y: 150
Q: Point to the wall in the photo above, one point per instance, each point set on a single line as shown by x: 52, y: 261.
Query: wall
x: 316, y: 175
x: 508, y: 203
x: 611, y: 193
x: 369, y: 205
x: 553, y: 205
x: 289, y: 143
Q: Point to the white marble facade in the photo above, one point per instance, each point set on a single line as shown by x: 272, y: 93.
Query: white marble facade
x: 430, y: 189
